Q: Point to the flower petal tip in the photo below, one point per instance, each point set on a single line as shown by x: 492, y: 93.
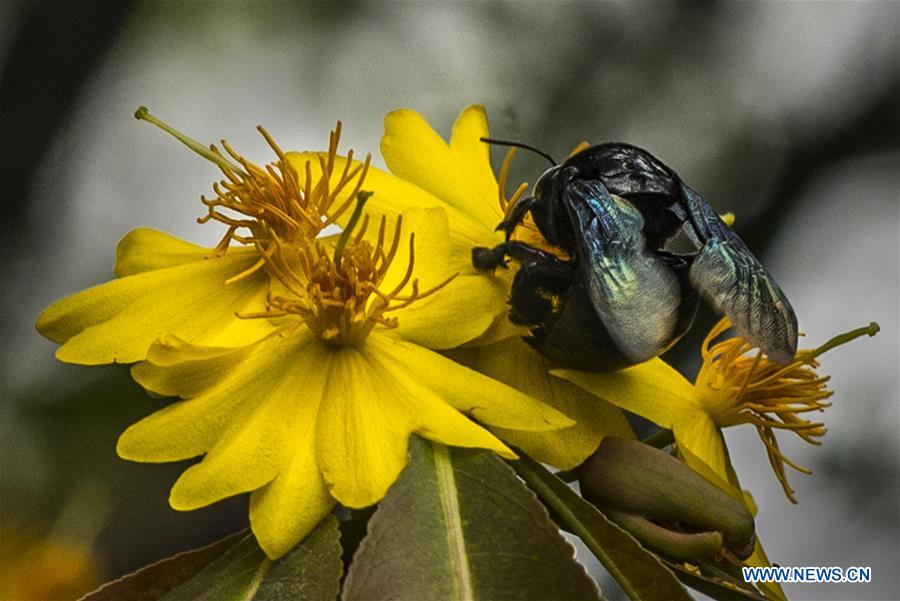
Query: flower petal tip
x: 183, y: 497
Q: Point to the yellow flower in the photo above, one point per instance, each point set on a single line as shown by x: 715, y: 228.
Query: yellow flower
x: 309, y: 395
x: 168, y: 286
x: 731, y: 388
x: 322, y: 409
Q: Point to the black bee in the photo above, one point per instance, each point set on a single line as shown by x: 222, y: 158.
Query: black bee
x: 620, y: 298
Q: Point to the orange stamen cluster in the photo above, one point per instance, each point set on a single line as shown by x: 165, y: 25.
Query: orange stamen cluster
x: 273, y: 202
x: 737, y: 388
x: 335, y: 289
x: 336, y: 292
x: 338, y: 296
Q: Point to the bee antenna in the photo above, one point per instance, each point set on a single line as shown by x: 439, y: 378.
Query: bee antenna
x: 496, y: 142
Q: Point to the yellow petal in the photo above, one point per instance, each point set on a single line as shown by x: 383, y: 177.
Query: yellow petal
x: 284, y: 511
x: 696, y: 432
x: 372, y: 406
x: 245, y: 422
x: 147, y: 249
x: 469, y: 303
x: 501, y: 329
x: 467, y: 308
x: 416, y: 153
x: 486, y: 399
x: 245, y: 457
x: 361, y: 442
x: 117, y: 321
x: 177, y: 368
x: 434, y: 418
x: 772, y: 590
x: 430, y: 233
x: 222, y: 387
x: 183, y: 429
x: 652, y: 389
x: 514, y: 362
x: 474, y: 155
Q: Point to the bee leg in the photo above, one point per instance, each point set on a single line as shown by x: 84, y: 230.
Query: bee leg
x: 515, y: 216
x: 487, y: 259
x: 523, y: 253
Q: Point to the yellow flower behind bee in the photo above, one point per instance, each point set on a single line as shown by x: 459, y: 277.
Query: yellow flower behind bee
x: 731, y: 388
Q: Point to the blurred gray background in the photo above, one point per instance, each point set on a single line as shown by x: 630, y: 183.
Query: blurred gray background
x: 784, y: 113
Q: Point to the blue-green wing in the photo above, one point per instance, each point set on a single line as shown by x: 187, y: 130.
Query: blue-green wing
x: 736, y: 284
x: 634, y: 292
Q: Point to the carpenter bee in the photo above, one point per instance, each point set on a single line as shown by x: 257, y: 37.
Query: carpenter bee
x: 619, y: 297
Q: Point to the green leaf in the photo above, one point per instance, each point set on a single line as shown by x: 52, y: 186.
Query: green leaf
x: 155, y: 580
x: 236, y: 568
x: 641, y: 574
x: 458, y: 525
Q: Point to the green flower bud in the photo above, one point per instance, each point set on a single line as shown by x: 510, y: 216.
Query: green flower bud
x: 664, y: 503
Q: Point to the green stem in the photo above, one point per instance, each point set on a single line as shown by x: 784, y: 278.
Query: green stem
x: 456, y: 538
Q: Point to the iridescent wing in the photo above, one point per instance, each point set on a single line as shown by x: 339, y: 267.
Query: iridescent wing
x: 736, y: 284
x: 634, y: 292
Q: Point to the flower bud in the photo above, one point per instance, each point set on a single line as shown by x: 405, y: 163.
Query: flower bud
x: 665, y: 504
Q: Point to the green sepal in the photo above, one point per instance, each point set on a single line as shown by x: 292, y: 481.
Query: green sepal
x: 680, y: 545
x: 636, y: 478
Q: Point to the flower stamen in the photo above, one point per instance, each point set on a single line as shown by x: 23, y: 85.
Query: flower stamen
x: 736, y: 388
x: 270, y: 202
x: 338, y: 294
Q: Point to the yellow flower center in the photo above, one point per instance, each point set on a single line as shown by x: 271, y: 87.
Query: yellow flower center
x: 333, y: 287
x: 337, y: 292
x: 737, y: 388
